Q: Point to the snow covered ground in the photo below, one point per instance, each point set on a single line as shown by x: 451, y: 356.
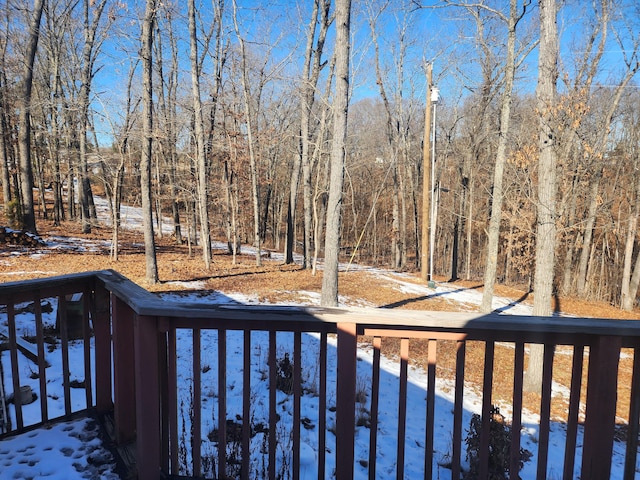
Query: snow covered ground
x: 64, y: 451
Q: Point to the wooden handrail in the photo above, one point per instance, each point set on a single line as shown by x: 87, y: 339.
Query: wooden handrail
x: 135, y: 350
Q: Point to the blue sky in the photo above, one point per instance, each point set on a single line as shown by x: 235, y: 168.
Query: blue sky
x: 441, y: 35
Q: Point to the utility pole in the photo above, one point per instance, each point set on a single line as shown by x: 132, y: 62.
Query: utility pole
x: 426, y: 184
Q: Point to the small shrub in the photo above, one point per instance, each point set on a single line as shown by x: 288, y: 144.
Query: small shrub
x: 284, y: 375
x: 499, y: 448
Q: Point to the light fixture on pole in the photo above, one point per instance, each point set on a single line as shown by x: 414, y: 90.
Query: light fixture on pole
x: 435, y: 98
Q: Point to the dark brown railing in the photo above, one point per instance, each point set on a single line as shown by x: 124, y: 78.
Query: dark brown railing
x: 154, y: 361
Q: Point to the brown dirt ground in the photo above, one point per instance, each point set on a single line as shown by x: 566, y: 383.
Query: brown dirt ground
x: 277, y: 282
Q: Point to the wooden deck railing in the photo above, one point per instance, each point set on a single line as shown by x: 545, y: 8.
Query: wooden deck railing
x: 190, y: 398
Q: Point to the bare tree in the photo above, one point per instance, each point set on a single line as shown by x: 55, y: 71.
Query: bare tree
x: 547, y: 189
x: 598, y: 150
x: 631, y: 270
x: 113, y: 175
x: 329, y: 294
x: 516, y: 13
x: 631, y: 281
x: 92, y: 13
x: 394, y: 133
x: 167, y: 107
x: 312, y: 66
x: 4, y: 133
x: 24, y: 134
x: 201, y: 160
x: 255, y: 194
x: 147, y: 141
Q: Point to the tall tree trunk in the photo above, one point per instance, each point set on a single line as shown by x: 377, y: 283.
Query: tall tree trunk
x: 629, y: 288
x: 203, y: 197
x: 321, y: 187
x: 599, y: 155
x: 493, y: 239
x: 4, y: 152
x: 570, y: 242
x: 88, y: 58
x: 167, y: 107
x: 24, y: 133
x: 546, y: 206
x: 147, y: 141
x: 291, y: 210
x: 587, y: 234
x: 58, y: 204
x: 329, y: 293
x: 394, y: 119
x: 302, y: 164
x: 255, y: 194
x: 5, y: 143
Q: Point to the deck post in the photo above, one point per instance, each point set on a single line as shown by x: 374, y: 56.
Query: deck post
x: 102, y: 331
x: 124, y: 411
x: 147, y: 377
x: 346, y: 400
x: 600, y: 419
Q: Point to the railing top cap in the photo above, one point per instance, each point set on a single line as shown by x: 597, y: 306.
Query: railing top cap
x: 144, y: 303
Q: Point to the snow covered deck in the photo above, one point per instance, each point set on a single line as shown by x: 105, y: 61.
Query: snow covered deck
x: 301, y: 393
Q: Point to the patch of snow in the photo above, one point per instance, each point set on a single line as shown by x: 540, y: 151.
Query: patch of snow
x: 64, y: 451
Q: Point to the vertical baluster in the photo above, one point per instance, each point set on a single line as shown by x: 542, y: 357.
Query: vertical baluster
x: 402, y: 406
x: 545, y: 412
x: 163, y: 381
x: 246, y: 403
x: 272, y: 404
x: 634, y: 417
x: 42, y: 363
x: 86, y: 331
x: 297, y: 393
x: 197, y: 404
x: 574, y: 411
x: 489, y: 351
x: 461, y: 348
x: 516, y: 420
x: 172, y: 373
x: 13, y: 348
x: 432, y: 355
x: 64, y: 341
x: 322, y: 406
x: 375, y: 395
x: 222, y: 403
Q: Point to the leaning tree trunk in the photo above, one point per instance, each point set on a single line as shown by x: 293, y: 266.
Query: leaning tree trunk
x: 546, y: 207
x: 493, y: 239
x: 329, y: 294
x: 203, y: 205
x: 24, y: 132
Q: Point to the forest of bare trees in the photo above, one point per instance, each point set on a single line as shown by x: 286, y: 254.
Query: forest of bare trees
x: 226, y: 117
